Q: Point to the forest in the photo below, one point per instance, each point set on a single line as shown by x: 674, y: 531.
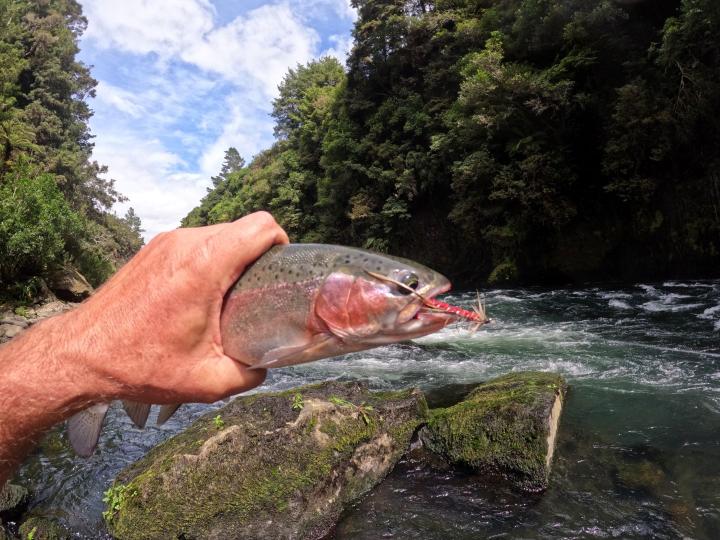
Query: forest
x: 55, y: 201
x: 531, y: 141
x: 504, y: 141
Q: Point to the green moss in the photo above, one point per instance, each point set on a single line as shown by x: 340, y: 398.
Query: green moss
x: 505, y: 272
x: 261, y: 469
x: 500, y: 426
x: 116, y: 498
x: 40, y: 528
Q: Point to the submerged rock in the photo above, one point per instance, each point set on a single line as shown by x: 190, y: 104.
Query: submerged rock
x: 41, y: 528
x: 280, y: 465
x: 507, y: 426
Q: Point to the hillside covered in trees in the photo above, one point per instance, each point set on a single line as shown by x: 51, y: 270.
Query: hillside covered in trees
x: 54, y: 202
x: 503, y: 140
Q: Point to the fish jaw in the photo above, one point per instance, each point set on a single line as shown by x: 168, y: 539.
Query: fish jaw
x: 364, y: 313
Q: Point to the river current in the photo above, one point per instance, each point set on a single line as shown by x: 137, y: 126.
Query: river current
x: 638, y: 450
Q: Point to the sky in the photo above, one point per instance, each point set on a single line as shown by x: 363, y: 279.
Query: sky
x: 180, y: 82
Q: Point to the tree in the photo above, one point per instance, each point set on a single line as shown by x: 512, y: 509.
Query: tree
x: 232, y: 163
x: 44, y: 136
x: 513, y: 139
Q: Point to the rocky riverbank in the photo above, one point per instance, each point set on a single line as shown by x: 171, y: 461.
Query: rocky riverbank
x: 15, y: 320
x: 65, y: 288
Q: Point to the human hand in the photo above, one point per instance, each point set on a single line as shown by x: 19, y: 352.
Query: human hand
x: 152, y: 332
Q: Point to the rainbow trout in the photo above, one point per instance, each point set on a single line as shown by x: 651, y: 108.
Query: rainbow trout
x: 303, y: 302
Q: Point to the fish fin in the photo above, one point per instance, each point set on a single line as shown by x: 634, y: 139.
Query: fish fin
x: 319, y: 347
x: 138, y: 412
x: 84, y: 429
x: 166, y: 411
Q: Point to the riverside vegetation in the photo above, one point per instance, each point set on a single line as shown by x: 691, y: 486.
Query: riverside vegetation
x: 54, y: 200
x: 513, y: 140
x: 530, y: 140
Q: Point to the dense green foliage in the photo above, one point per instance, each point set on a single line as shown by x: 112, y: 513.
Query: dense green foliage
x: 503, y: 140
x: 55, y: 205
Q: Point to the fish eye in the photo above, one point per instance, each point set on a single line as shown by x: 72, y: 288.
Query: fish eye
x: 409, y: 280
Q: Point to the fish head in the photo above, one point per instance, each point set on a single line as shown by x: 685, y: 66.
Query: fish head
x: 379, y: 299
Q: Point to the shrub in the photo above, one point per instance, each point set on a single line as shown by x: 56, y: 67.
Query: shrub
x: 36, y: 224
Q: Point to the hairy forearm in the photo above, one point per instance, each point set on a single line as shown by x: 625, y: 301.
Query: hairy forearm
x: 42, y: 382
x: 150, y: 334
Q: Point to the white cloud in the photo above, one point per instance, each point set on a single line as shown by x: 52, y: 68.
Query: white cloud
x: 342, y: 45
x: 246, y: 128
x: 185, y: 88
x: 261, y: 45
x: 122, y: 100
x: 341, y: 8
x: 146, y: 26
x: 152, y: 178
x: 253, y: 49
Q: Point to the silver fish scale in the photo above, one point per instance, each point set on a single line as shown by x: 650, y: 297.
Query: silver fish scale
x: 294, y: 263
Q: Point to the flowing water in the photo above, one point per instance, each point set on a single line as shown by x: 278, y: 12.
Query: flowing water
x: 638, y: 451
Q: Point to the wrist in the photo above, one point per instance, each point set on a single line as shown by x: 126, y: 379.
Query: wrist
x: 50, y: 358
x: 76, y: 358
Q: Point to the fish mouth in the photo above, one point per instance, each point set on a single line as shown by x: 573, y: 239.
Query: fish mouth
x: 419, y: 318
x: 427, y: 313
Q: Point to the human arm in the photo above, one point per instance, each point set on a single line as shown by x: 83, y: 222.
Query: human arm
x: 150, y: 334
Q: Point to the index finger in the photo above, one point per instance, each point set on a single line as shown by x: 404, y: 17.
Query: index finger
x: 240, y: 243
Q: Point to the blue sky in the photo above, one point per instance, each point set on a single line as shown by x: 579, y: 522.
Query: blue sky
x: 179, y: 82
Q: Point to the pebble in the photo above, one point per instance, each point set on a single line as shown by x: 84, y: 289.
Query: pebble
x: 9, y: 330
x: 12, y: 324
x: 14, y: 320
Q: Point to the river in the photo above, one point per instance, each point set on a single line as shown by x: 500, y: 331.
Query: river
x: 638, y: 451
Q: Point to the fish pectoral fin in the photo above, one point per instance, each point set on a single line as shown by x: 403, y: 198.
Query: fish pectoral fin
x: 138, y: 412
x: 320, y: 346
x: 166, y: 411
x: 84, y: 429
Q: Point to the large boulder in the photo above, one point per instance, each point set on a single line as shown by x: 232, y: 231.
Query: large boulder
x: 69, y: 284
x: 506, y: 426
x: 281, y: 465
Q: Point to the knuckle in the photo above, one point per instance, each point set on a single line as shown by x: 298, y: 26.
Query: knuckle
x: 264, y: 218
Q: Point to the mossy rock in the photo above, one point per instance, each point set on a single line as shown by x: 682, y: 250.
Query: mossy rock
x: 42, y: 528
x: 506, y: 426
x: 504, y: 273
x: 281, y: 465
x: 13, y: 500
x: 642, y: 475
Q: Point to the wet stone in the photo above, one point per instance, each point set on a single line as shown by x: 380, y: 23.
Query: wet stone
x: 10, y: 330
x: 506, y: 426
x: 42, y: 528
x: 14, y: 320
x: 281, y: 465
